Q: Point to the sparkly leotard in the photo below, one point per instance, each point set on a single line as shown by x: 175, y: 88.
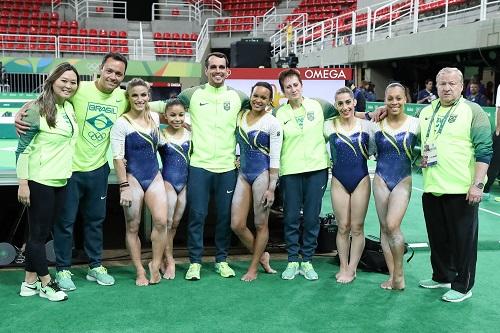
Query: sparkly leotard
x: 138, y: 146
x: 260, y: 145
x: 394, y: 150
x: 175, y: 159
x: 349, y: 152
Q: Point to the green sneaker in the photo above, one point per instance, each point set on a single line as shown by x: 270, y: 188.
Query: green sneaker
x: 307, y: 270
x: 455, y: 296
x: 292, y: 269
x: 63, y: 279
x: 431, y: 284
x: 52, y: 292
x: 101, y: 276
x: 30, y: 289
x: 224, y: 270
x: 193, y: 272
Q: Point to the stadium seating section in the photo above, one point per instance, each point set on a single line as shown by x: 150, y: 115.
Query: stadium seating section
x: 29, y: 25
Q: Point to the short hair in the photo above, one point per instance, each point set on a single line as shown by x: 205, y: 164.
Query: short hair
x: 287, y: 73
x: 428, y: 80
x: 395, y: 85
x: 217, y: 55
x: 264, y: 85
x: 115, y: 56
x: 344, y: 90
x: 173, y: 102
x: 473, y: 81
x: 451, y: 70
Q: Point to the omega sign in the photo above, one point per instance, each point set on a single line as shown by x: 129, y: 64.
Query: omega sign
x: 325, y: 74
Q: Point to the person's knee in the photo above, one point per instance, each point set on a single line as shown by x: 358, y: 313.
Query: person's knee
x: 238, y: 227
x: 132, y: 227
x: 344, y: 229
x: 357, y: 231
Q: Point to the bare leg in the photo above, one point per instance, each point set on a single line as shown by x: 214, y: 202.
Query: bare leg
x: 359, y: 205
x: 381, y: 194
x: 398, y: 203
x: 156, y: 200
x: 240, y: 206
x: 176, y: 207
x: 261, y: 216
x: 132, y: 222
x: 341, y: 205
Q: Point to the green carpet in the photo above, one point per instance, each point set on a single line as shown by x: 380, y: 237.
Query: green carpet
x: 268, y: 304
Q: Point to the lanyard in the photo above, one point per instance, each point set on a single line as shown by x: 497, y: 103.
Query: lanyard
x: 445, y: 119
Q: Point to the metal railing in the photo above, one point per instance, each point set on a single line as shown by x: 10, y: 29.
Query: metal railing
x: 183, y: 11
x: 281, y: 41
x: 167, y: 48
x: 95, y: 45
x: 386, y: 20
x: 210, y: 7
x: 100, y: 8
x: 28, y: 44
x: 202, y: 42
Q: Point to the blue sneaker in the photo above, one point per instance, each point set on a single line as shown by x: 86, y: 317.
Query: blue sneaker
x: 292, y: 269
x: 307, y: 270
x: 101, y: 276
x: 63, y: 279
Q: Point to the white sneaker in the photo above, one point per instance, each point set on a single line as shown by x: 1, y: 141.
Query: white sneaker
x: 30, y: 289
x: 52, y: 292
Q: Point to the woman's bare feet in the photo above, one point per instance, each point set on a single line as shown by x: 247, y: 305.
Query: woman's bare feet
x: 141, y: 280
x: 398, y: 283
x: 249, y: 276
x: 154, y: 274
x: 264, y: 262
x: 345, y: 277
x: 169, y: 272
x: 386, y: 284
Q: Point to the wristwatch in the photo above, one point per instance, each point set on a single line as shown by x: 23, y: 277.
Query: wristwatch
x: 479, y: 185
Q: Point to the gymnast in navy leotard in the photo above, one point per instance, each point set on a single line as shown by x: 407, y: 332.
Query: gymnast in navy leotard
x: 349, y: 139
x: 395, y: 138
x: 175, y: 160
x: 134, y: 137
x: 259, y: 138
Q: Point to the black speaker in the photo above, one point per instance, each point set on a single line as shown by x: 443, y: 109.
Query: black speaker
x: 251, y: 53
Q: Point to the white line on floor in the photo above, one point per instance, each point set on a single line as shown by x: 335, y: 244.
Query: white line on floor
x: 418, y: 245
x: 482, y: 209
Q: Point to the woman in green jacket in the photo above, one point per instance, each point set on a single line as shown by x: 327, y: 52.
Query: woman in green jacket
x: 43, y: 165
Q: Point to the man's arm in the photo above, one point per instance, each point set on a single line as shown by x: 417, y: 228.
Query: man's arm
x: 22, y: 126
x: 497, y: 130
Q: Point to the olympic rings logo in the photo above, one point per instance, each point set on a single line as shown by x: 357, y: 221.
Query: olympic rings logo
x: 96, y: 136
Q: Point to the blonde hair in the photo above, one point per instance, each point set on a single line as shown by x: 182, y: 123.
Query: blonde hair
x: 135, y: 82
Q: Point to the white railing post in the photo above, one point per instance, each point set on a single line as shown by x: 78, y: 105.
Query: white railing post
x: 390, y: 20
x: 482, y: 15
x: 446, y: 14
x: 415, y: 16
x: 353, y: 28
x: 368, y: 24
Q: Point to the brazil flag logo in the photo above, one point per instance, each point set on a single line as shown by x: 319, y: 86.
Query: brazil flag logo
x: 98, y: 122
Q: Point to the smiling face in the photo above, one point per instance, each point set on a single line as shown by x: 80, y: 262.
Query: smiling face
x: 345, y: 103
x: 260, y: 99
x: 175, y: 116
x: 216, y: 71
x: 112, y: 74
x: 395, y: 99
x: 292, y: 88
x: 65, y: 86
x: 138, y: 98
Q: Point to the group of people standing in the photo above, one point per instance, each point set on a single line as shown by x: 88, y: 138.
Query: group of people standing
x: 289, y: 146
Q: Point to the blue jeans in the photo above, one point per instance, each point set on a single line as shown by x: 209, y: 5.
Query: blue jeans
x: 302, y: 191
x: 201, y: 183
x: 86, y: 191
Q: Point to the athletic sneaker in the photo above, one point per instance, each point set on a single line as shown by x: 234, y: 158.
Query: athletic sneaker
x: 101, y: 276
x: 431, y: 284
x: 63, y: 279
x: 52, y: 292
x: 455, y: 296
x: 30, y: 289
x: 307, y: 270
x: 193, y: 272
x: 292, y: 269
x: 224, y: 270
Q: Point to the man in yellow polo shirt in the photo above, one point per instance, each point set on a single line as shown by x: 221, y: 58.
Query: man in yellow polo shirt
x: 456, y: 151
